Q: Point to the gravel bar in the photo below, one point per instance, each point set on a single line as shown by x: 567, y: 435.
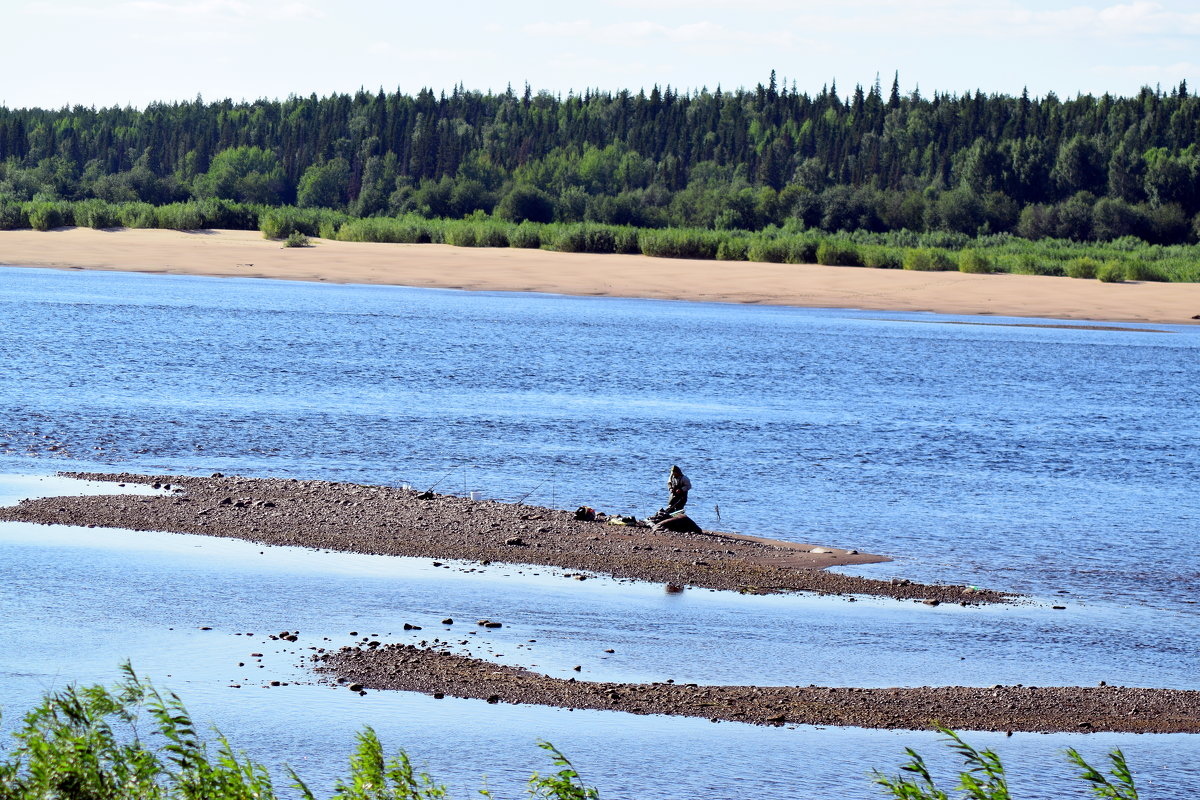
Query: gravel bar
x: 998, y: 708
x: 403, y: 522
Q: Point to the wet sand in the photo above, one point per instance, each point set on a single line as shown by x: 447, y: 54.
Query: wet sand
x: 388, y: 521
x: 247, y: 254
x: 998, y: 708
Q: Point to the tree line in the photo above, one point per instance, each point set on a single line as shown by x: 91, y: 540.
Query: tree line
x: 1086, y: 168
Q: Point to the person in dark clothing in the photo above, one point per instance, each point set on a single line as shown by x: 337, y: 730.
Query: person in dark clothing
x: 678, y: 487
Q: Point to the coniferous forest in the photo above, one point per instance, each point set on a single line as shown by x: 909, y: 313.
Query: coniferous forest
x: 870, y: 165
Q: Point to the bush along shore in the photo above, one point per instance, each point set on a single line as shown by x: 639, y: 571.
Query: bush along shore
x: 403, y: 522
x: 1120, y: 260
x: 132, y: 741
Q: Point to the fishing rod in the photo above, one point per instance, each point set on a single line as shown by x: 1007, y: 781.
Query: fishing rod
x: 531, y: 491
x: 428, y: 493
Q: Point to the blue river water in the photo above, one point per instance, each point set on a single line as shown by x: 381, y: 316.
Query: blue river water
x: 1054, y: 461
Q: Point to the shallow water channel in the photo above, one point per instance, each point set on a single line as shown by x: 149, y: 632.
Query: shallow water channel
x: 1058, y: 462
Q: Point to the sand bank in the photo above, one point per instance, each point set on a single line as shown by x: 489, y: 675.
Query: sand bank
x: 1076, y: 709
x: 382, y: 520
x: 247, y: 254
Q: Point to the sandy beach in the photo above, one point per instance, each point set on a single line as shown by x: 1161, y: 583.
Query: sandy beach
x: 247, y: 254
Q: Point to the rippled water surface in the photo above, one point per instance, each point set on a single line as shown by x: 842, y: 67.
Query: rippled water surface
x: 1059, y: 462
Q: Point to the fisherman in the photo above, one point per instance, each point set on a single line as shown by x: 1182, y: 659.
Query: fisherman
x: 678, y: 486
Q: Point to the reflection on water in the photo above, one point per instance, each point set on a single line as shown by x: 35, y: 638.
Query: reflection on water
x: 1056, y: 462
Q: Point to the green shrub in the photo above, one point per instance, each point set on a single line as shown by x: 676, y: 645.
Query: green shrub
x: 1081, y: 267
x: 218, y: 212
x: 12, y: 216
x: 329, y: 227
x: 883, y: 257
x: 1141, y: 271
x: 296, y: 239
x: 460, y: 235
x: 570, y: 239
x: 771, y: 251
x: 180, y: 216
x: 626, y: 240
x: 599, y: 239
x: 975, y: 262
x: 679, y: 243
x: 526, y: 204
x: 1111, y: 272
x: 279, y: 223
x: 733, y: 249
x: 801, y: 250
x: 1030, y: 264
x: 44, y: 215
x: 527, y: 235
x: 928, y: 259
x: 137, y: 215
x: 832, y: 252
x: 405, y: 230
x: 96, y: 214
x: 491, y: 234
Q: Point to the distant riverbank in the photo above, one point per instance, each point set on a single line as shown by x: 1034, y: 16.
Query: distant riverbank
x: 222, y: 253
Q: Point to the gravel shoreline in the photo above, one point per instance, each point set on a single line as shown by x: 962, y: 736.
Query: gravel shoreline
x: 999, y: 708
x: 389, y: 521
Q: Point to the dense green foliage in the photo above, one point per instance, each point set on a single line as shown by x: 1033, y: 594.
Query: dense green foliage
x: 132, y: 742
x: 1083, y: 169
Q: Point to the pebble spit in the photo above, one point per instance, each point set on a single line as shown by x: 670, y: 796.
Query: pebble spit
x: 404, y: 522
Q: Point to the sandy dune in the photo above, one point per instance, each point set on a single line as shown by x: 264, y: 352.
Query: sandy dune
x: 247, y: 254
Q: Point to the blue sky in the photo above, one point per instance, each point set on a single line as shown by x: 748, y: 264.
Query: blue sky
x: 92, y: 52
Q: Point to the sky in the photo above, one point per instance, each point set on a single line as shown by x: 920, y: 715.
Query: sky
x: 57, y: 53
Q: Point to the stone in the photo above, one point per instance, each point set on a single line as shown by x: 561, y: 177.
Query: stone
x: 448, y: 621
x: 356, y: 687
x: 515, y: 541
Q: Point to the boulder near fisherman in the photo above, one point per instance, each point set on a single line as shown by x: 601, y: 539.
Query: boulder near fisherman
x: 678, y: 487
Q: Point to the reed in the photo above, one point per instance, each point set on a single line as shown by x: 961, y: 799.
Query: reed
x: 984, y: 777
x: 132, y: 741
